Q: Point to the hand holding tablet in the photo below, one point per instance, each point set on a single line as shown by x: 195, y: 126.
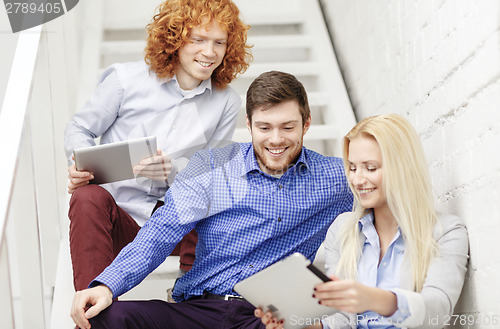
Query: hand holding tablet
x: 114, y: 161
x: 286, y: 288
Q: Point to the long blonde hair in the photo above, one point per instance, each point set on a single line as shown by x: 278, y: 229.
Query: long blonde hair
x: 407, y: 186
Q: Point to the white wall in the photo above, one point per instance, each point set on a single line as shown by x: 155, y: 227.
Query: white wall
x: 437, y: 62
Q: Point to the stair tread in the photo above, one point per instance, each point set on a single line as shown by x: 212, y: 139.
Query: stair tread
x: 252, y: 20
x: 279, y: 41
x: 295, y: 68
x: 261, y: 42
x: 122, y: 47
x: 272, y: 19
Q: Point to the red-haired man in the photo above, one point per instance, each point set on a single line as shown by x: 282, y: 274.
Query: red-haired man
x: 180, y: 94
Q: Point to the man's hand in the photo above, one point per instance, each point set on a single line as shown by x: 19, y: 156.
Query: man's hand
x: 268, y: 319
x: 88, y: 303
x: 77, y: 178
x: 157, y: 167
x: 272, y: 322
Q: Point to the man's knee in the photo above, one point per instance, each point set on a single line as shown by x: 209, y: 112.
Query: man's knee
x: 90, y: 196
x: 89, y: 202
x: 90, y: 193
x: 131, y: 315
x: 115, y: 316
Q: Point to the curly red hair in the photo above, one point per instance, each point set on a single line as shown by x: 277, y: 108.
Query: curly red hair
x: 170, y: 30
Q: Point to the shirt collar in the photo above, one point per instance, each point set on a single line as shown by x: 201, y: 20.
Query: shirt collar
x: 200, y: 89
x: 368, y: 228
x: 366, y: 219
x: 252, y: 165
x: 204, y: 85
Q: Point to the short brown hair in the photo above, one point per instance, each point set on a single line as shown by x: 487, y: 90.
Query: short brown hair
x: 170, y: 29
x: 275, y: 87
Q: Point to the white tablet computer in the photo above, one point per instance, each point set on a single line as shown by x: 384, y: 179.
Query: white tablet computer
x: 286, y: 289
x: 114, y: 161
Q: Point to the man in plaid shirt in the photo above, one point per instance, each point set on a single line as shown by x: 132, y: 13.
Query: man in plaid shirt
x: 251, y: 204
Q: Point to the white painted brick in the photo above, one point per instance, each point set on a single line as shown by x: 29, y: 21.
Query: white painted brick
x: 438, y: 64
x: 469, y: 79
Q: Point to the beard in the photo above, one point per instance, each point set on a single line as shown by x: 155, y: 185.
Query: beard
x: 269, y: 164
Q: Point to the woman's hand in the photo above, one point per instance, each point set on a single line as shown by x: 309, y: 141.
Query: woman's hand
x: 354, y: 297
x: 268, y: 319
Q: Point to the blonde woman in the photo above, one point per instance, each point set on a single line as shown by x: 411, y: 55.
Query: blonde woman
x: 394, y: 262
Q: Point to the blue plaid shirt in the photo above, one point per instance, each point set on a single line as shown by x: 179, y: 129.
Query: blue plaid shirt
x: 246, y: 219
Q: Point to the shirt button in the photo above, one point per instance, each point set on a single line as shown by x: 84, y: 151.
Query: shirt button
x: 384, y: 264
x: 250, y: 266
x: 279, y: 219
x: 280, y: 186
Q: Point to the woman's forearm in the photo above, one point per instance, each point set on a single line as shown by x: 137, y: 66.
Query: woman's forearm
x: 382, y: 301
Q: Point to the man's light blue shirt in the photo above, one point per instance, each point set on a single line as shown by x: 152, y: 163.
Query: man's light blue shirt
x: 131, y: 102
x: 246, y: 219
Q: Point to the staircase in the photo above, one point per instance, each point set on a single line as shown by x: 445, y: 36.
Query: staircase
x: 287, y: 35
x: 291, y: 36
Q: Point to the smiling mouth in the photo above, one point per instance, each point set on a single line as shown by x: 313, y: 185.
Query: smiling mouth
x: 277, y: 152
x: 366, y: 191
x: 204, y: 64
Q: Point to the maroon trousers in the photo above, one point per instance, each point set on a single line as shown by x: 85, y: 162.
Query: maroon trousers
x: 99, y: 229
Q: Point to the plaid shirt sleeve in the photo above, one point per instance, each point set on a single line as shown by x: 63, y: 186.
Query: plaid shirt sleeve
x: 245, y: 219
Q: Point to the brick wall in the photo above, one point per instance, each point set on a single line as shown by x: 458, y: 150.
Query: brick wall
x: 437, y: 62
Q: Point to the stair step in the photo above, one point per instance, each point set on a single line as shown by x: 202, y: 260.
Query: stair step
x: 281, y: 41
x: 322, y: 132
x: 254, y: 20
x: 295, y: 68
x: 271, y: 12
x: 123, y: 47
x: 259, y: 42
x: 315, y: 132
x: 270, y: 19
